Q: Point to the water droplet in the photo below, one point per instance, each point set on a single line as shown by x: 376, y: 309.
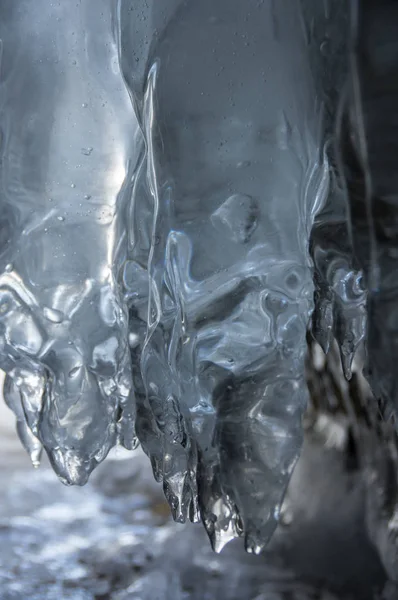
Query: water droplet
x: 61, y: 218
x: 35, y: 455
x: 9, y: 268
x: 84, y: 105
x: 87, y: 196
x: 73, y: 185
x: 87, y: 151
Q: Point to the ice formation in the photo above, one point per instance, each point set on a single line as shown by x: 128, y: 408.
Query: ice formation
x: 170, y: 207
x: 368, y: 133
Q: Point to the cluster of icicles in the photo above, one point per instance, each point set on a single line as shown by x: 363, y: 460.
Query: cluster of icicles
x: 170, y: 208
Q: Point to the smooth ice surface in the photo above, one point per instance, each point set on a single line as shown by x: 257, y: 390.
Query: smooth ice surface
x: 162, y: 164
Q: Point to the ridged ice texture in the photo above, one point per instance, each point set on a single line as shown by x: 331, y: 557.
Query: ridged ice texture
x: 68, y: 150
x: 340, y: 293
x: 368, y: 145
x: 233, y: 174
x: 161, y: 167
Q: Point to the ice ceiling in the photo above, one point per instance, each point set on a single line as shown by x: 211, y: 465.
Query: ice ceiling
x: 172, y: 203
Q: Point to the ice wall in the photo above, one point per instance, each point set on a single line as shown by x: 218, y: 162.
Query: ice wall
x: 162, y: 164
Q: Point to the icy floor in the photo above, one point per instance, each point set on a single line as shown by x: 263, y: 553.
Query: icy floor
x: 113, y: 539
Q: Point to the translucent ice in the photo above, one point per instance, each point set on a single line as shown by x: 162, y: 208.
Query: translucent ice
x: 63, y: 234
x: 232, y: 133
x: 162, y: 164
x: 368, y: 147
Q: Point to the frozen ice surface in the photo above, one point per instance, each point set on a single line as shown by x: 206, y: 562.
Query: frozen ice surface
x: 369, y: 113
x: 64, y: 322
x: 233, y: 131
x: 162, y: 166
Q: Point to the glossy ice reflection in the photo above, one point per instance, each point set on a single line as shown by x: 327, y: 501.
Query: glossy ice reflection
x: 68, y: 135
x: 162, y: 166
